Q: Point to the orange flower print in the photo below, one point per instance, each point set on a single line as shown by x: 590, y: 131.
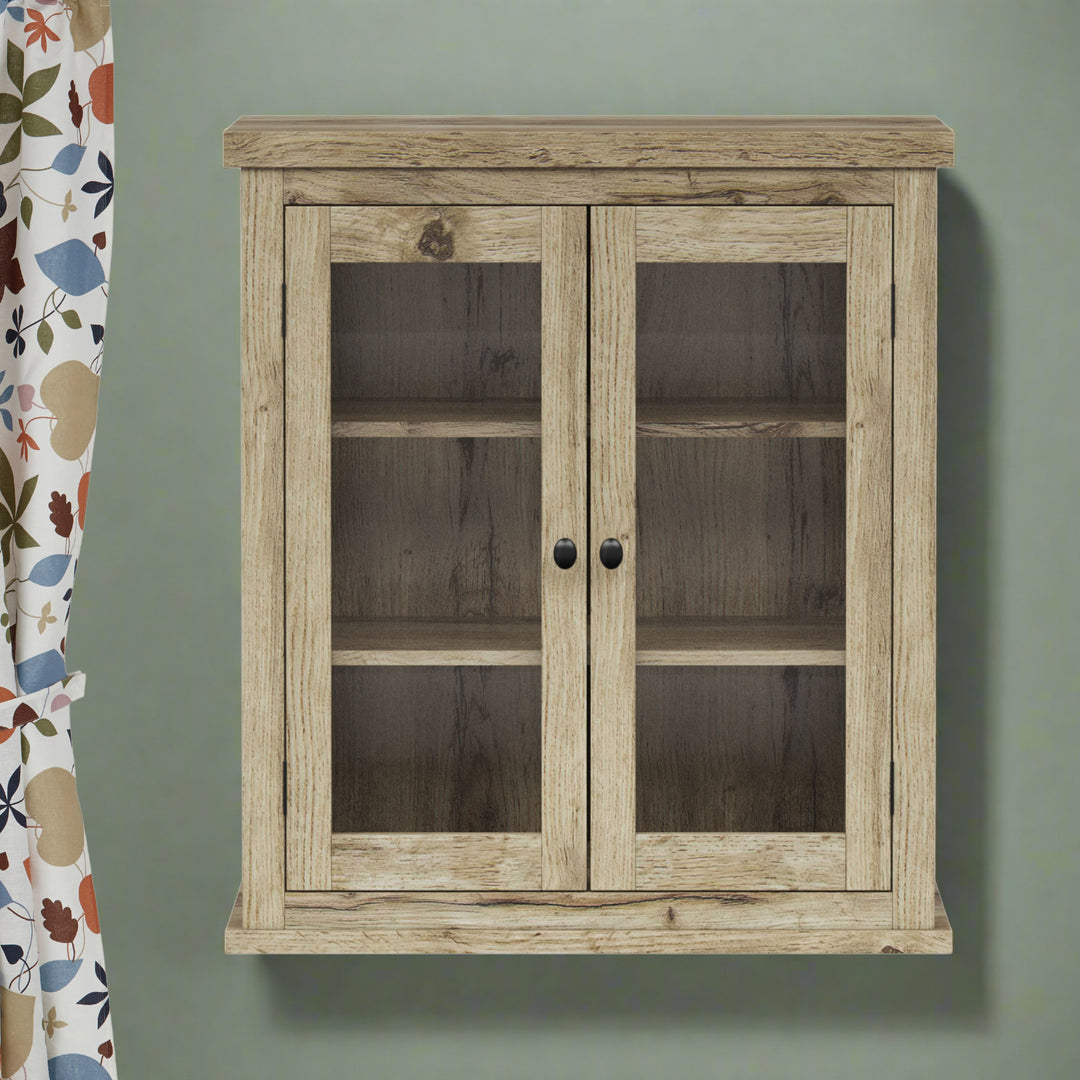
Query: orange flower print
x: 37, y: 29
x: 26, y: 442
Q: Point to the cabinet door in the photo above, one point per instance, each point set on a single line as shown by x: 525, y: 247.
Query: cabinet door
x: 435, y: 454
x: 741, y: 455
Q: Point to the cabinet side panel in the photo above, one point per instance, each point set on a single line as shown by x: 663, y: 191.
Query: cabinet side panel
x: 307, y: 546
x: 869, y: 547
x: 262, y: 533
x: 564, y: 853
x: 612, y: 486
x: 914, y: 545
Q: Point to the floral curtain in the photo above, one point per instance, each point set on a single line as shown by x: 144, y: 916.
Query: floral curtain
x: 56, y: 169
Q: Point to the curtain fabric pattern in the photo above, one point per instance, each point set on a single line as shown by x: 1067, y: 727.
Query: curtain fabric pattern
x: 56, y: 169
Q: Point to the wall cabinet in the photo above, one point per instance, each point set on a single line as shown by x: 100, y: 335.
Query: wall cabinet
x: 588, y: 535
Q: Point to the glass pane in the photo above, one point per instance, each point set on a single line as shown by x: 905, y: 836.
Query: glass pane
x: 457, y: 331
x: 419, y: 749
x: 741, y: 522
x: 435, y: 528
x: 435, y: 532
x: 740, y: 749
x: 740, y: 527
x: 745, y: 331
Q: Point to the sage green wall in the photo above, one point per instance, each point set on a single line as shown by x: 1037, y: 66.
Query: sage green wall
x: 156, y: 619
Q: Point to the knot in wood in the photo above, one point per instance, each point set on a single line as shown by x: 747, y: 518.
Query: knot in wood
x: 437, y: 240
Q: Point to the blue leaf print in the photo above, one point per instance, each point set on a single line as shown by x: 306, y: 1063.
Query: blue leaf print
x: 40, y: 671
x: 8, y: 392
x: 6, y: 417
x: 50, y: 570
x: 12, y: 953
x: 56, y: 974
x: 76, y: 1067
x: 73, y: 266
x: 68, y: 160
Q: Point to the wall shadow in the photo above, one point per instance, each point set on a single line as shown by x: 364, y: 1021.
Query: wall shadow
x: 749, y: 992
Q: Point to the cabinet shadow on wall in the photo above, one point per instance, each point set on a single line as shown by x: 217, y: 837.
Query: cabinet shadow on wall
x: 375, y: 992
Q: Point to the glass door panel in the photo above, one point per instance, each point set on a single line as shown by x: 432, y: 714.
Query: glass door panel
x: 420, y: 760
x: 761, y: 476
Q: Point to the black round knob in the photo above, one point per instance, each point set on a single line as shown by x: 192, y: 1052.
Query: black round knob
x: 611, y: 553
x: 565, y: 554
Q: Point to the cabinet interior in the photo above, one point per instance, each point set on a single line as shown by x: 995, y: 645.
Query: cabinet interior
x: 436, y: 749
x: 417, y: 343
x: 435, y: 528
x: 770, y: 332
x: 740, y: 749
x: 435, y: 542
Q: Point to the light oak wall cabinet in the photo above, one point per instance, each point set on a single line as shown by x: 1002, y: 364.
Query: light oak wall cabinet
x: 588, y: 534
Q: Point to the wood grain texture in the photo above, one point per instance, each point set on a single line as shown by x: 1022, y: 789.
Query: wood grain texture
x: 740, y: 641
x: 683, y: 142
x: 452, y: 332
x: 564, y: 593
x: 735, y: 187
x: 772, y: 333
x: 740, y: 750
x: 914, y: 546
x: 312, y: 928
x: 804, y: 941
x: 307, y: 547
x: 353, y: 418
x: 612, y: 616
x: 552, y: 910
x: 262, y: 556
x: 783, y: 234
x: 421, y: 642
x: 868, y: 607
x: 436, y: 861
x: 465, y: 234
x: 740, y: 527
x: 740, y: 860
x: 436, y: 750
x: 430, y: 528
x: 745, y: 419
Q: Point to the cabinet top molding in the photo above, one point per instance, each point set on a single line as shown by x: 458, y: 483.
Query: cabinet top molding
x: 365, y: 142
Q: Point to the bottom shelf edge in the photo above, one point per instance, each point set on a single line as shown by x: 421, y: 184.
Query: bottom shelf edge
x: 358, y: 932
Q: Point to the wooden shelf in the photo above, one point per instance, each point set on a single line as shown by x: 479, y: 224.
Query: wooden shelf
x: 718, y: 419
x: 353, y: 418
x: 512, y: 419
x: 740, y: 642
x: 436, y: 642
x: 704, y: 642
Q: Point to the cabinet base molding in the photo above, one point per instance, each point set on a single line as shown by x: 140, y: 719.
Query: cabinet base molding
x: 589, y: 922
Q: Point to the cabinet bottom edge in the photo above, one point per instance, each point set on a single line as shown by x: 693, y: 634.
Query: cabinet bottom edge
x: 561, y: 923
